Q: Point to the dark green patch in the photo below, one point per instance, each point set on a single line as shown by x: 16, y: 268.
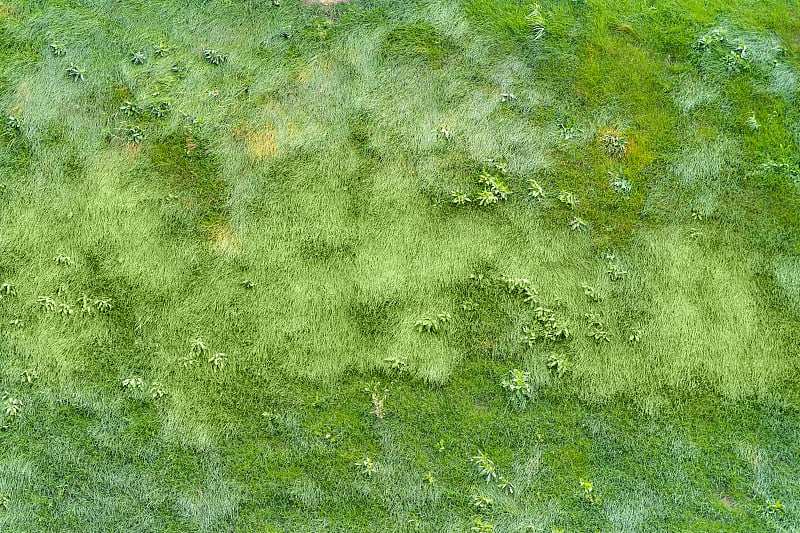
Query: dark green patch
x: 419, y: 41
x: 188, y: 168
x: 373, y: 316
x: 321, y: 249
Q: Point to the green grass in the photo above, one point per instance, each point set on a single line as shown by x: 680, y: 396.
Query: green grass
x: 293, y: 210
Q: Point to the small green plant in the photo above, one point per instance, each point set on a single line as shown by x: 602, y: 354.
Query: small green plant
x: 62, y: 260
x: 505, y: 485
x: 47, y: 303
x: 365, y: 466
x: 535, y: 190
x: 161, y: 50
x: 530, y: 336
x: 270, y: 416
x: 161, y: 109
x: 515, y: 285
x: 247, y: 284
x: 776, y: 507
x: 558, y: 364
x: 485, y: 465
x: 76, y: 73
x: 594, y: 320
x: 486, y: 197
x: 65, y: 309
x: 736, y: 60
x: 6, y: 290
x: 5, y: 500
x: 11, y: 405
x: 711, y: 39
x: 187, y: 361
x: 613, y: 142
x: 544, y: 315
x: 616, y: 273
x: 551, y: 328
x: 459, y: 198
x: 591, y: 293
x: 697, y: 214
x: 429, y: 479
x: 131, y: 134
x: 138, y: 58
x: 218, y: 361
x: 599, y: 335
x: 567, y: 133
x: 536, y: 20
x: 634, y: 334
x: 87, y: 306
x: 130, y: 109
x: 752, y: 123
x: 432, y: 324
x: 103, y: 305
x: 495, y: 184
x: 28, y: 376
x: 157, y: 391
x: 440, y: 446
x: 588, y: 492
x: 378, y: 398
x: 577, y: 224
x: 198, y: 347
x: 619, y: 184
x: 214, y: 57
x: 530, y: 296
x: 482, y: 503
x: 133, y: 382
x: 444, y: 132
x: 481, y: 526
x: 507, y: 97
x: 396, y: 364
x: 557, y: 331
x: 57, y: 49
x: 519, y: 385
x: 568, y: 199
x: 13, y: 122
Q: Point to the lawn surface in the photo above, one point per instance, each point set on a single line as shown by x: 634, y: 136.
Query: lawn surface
x: 431, y: 265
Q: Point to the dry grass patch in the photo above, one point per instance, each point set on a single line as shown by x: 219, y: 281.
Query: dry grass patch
x: 260, y: 144
x: 223, y: 239
x: 6, y: 11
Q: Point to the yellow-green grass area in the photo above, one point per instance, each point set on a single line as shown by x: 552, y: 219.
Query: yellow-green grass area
x: 428, y: 265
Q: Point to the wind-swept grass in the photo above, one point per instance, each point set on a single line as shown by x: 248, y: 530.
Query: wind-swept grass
x: 222, y: 222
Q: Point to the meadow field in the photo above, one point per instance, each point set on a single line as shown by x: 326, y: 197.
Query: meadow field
x: 394, y: 266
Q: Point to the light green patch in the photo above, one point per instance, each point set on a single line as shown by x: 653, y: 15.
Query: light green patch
x: 787, y: 274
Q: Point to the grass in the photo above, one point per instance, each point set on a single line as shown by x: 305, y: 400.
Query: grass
x: 277, y: 181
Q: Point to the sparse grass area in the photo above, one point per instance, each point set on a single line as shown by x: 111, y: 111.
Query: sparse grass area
x: 432, y: 265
